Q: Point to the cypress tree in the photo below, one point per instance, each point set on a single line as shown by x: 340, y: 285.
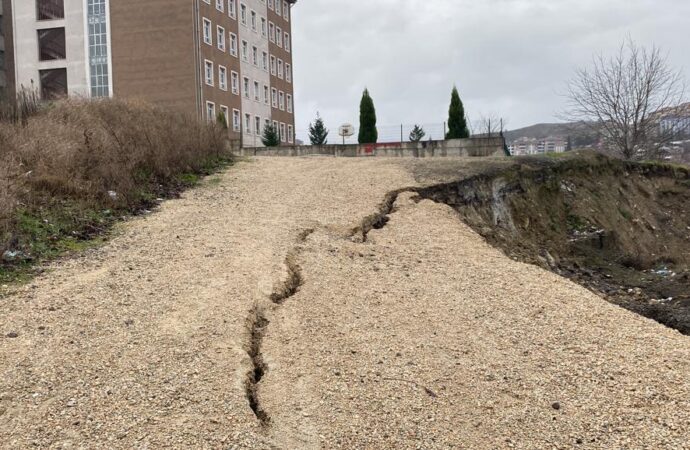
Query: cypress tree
x: 457, y: 123
x: 270, y: 137
x: 367, y: 120
x: 318, y: 133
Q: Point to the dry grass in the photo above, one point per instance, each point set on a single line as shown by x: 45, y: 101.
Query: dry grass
x: 74, y: 162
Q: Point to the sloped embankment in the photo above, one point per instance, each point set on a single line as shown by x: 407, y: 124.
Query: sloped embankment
x: 621, y: 229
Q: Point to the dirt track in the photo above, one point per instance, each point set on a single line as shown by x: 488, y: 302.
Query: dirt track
x: 421, y: 337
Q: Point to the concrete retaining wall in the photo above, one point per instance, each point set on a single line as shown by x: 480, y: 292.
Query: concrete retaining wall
x: 428, y: 149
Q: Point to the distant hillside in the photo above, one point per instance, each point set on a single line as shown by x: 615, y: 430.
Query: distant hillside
x: 580, y: 133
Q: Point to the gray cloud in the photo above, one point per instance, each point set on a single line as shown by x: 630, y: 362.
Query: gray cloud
x: 507, y: 57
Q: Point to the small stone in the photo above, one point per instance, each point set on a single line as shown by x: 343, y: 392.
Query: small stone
x: 556, y: 406
x: 579, y: 441
x: 12, y: 335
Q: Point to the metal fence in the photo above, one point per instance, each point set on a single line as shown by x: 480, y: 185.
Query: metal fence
x: 387, y: 133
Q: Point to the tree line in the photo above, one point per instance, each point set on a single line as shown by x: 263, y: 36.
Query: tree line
x: 368, y: 133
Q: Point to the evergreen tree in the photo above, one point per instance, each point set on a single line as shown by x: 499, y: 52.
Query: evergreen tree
x: 569, y: 148
x: 457, y: 123
x: 417, y: 134
x: 270, y: 137
x: 222, y: 120
x: 367, y: 120
x: 318, y: 133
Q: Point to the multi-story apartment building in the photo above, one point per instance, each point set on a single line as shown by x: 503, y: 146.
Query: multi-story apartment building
x: 200, y: 57
x: 532, y: 146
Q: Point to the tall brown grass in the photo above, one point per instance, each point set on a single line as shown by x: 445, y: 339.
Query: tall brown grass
x: 95, y: 155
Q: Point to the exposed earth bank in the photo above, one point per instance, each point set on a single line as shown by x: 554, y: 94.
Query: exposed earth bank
x: 621, y: 229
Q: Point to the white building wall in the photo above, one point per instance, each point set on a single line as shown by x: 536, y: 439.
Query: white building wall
x: 254, y: 73
x: 26, y: 29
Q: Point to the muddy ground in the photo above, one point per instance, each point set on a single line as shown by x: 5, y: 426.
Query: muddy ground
x: 620, y: 229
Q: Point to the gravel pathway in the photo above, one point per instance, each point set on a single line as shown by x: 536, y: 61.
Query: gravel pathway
x: 248, y: 314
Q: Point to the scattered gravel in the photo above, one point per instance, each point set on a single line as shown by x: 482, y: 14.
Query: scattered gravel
x: 421, y: 337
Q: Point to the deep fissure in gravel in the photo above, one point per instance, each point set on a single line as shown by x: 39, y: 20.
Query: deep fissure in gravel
x: 292, y: 283
x: 258, y: 323
x: 379, y: 219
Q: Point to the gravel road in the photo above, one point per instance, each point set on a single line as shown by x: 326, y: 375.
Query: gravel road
x: 250, y: 314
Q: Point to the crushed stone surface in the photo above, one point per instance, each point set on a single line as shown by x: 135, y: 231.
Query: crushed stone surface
x: 423, y: 336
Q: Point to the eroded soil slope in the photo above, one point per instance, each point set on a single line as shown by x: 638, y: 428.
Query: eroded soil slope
x: 622, y: 229
x: 298, y: 303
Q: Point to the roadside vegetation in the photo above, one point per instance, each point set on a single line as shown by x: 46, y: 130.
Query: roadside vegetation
x: 70, y: 169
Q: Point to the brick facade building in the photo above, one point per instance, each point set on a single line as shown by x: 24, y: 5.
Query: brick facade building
x: 200, y: 57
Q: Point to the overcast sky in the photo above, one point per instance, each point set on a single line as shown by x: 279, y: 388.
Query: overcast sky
x: 507, y: 57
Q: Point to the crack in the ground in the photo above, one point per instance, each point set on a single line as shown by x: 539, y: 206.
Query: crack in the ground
x: 292, y: 283
x: 380, y: 218
x: 258, y: 323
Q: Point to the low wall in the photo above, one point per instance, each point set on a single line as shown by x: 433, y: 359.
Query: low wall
x: 427, y: 149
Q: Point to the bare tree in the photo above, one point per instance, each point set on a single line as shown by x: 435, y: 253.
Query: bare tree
x: 625, y: 97
x: 491, y: 125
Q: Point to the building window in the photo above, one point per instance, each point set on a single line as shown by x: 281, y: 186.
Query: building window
x: 208, y: 39
x: 279, y: 37
x: 220, y: 4
x: 253, y: 20
x: 286, y: 11
x: 281, y: 100
x: 50, y: 9
x: 291, y: 134
x: 278, y: 7
x: 266, y: 95
x: 280, y: 69
x: 51, y: 44
x: 257, y: 125
x: 289, y: 103
x: 224, y: 110
x: 255, y: 56
x: 271, y: 32
x: 270, y: 5
x: 246, y: 87
x: 235, y: 83
x: 257, y: 91
x: 220, y: 36
x: 264, y: 27
x: 288, y: 73
x: 273, y: 65
x: 53, y: 83
x: 97, y: 23
x: 233, y: 44
x: 236, y: 120
x: 245, y: 50
x: 274, y: 97
x: 287, y: 42
x: 210, y: 111
x: 283, y: 137
x: 248, y: 123
x: 232, y: 8
x: 264, y: 61
x: 208, y: 72
x: 223, y: 78
x: 243, y: 13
